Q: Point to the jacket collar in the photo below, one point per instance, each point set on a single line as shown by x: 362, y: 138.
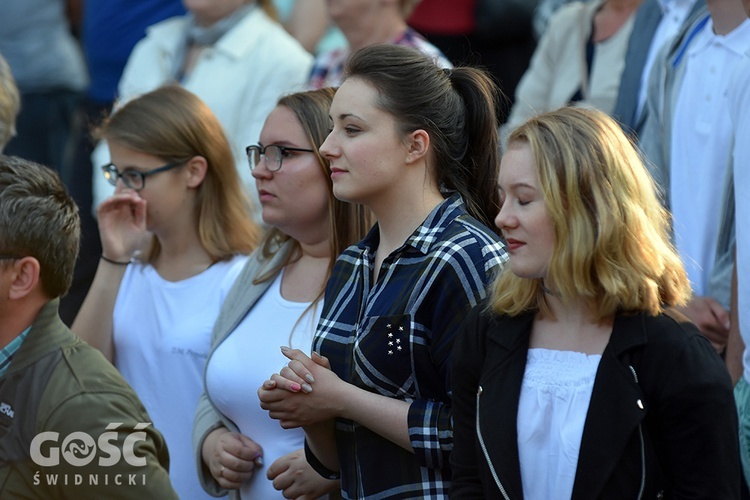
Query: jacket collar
x: 617, y: 405
x: 170, y: 35
x: 48, y: 333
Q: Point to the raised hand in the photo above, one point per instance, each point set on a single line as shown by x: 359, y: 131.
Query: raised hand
x: 122, y: 225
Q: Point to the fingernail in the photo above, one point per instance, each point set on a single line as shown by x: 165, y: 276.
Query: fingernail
x: 259, y: 461
x: 269, y: 384
x: 295, y: 387
x: 306, y: 388
x: 284, y: 348
x: 309, y: 378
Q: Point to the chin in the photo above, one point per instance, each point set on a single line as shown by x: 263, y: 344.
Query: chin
x: 526, y: 272
x: 343, y: 194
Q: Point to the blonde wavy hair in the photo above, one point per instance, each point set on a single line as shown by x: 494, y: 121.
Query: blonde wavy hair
x: 612, y: 247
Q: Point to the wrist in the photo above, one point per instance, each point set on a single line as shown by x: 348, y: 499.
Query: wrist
x: 115, y: 261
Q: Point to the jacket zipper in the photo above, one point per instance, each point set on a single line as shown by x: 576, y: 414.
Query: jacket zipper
x: 484, y: 450
x: 643, y: 446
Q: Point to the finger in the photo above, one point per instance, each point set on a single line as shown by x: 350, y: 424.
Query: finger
x: 295, y: 354
x: 286, y: 384
x: 139, y: 211
x: 321, y: 360
x: 233, y: 477
x: 236, y: 476
x: 278, y: 467
x: 269, y: 384
x: 296, y: 382
x: 282, y: 481
x: 235, y: 464
x: 721, y: 314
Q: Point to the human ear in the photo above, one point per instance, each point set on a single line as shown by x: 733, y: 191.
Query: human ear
x: 25, y: 277
x: 417, y: 145
x: 196, y: 169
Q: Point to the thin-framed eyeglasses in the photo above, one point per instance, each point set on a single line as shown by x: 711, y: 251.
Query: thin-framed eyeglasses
x: 134, y: 179
x: 274, y: 154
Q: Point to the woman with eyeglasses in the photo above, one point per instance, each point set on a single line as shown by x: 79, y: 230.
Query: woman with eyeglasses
x: 175, y: 235
x: 276, y: 301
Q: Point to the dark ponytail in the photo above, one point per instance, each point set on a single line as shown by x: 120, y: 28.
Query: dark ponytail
x: 457, y: 108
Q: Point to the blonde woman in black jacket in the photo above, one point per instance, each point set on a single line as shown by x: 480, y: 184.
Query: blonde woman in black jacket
x: 577, y: 380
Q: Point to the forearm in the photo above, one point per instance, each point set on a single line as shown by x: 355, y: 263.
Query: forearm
x: 383, y: 415
x: 93, y: 323
x: 735, y: 344
x: 321, y: 440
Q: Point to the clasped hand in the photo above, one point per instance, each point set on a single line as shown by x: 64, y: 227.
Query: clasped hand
x: 303, y: 393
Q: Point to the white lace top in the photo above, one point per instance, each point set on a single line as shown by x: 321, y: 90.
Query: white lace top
x: 555, y: 396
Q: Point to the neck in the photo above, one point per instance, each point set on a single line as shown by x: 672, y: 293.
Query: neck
x: 371, y: 30
x: 397, y: 221
x: 574, y: 314
x: 726, y: 15
x: 19, y: 317
x: 627, y: 5
x: 182, y: 255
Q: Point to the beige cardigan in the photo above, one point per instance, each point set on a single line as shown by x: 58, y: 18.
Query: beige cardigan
x: 558, y: 66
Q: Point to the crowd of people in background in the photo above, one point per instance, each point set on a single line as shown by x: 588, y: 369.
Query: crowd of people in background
x: 374, y: 249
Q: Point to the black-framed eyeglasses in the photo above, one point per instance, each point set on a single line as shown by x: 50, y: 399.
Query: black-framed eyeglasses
x: 274, y: 154
x: 134, y: 179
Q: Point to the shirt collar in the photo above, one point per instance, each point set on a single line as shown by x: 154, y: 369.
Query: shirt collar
x: 668, y: 5
x: 737, y: 40
x: 423, y: 236
x: 10, y: 350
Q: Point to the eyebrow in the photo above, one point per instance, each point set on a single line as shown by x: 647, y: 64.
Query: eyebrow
x: 343, y: 116
x: 517, y: 185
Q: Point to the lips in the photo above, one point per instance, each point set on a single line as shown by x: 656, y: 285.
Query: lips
x: 513, y: 244
x: 265, y: 195
x: 336, y: 172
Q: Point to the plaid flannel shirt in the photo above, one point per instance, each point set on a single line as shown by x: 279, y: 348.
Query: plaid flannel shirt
x: 328, y: 68
x: 10, y: 350
x: 394, y: 338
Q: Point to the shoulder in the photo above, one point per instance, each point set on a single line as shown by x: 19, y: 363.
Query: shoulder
x: 167, y: 29
x: 83, y: 380
x: 467, y: 238
x: 573, y: 13
x: 676, y: 353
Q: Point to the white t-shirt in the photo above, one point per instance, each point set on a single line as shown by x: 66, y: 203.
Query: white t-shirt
x: 244, y: 360
x: 700, y: 147
x: 555, y: 396
x: 162, y: 336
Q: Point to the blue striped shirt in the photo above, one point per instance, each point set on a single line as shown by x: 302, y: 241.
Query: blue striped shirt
x: 10, y: 350
x: 394, y: 338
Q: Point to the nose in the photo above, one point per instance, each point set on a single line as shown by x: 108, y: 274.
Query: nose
x: 120, y: 186
x: 505, y: 218
x: 328, y: 148
x: 260, y: 171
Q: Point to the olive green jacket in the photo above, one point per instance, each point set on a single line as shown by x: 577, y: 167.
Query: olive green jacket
x: 71, y: 427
